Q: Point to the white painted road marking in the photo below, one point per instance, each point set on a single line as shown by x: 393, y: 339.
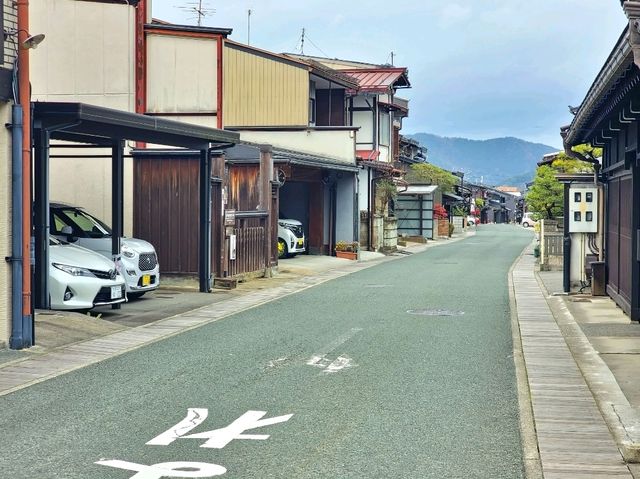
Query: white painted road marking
x: 167, y: 469
x: 218, y: 438
x: 319, y: 360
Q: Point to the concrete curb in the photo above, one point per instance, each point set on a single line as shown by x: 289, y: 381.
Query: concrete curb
x: 529, y: 438
x: 621, y: 418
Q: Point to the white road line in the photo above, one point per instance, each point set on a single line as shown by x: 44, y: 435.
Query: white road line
x: 319, y: 360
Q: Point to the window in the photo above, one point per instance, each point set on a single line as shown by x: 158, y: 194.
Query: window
x: 385, y: 129
x: 577, y: 216
x: 589, y: 198
x: 577, y: 197
x: 589, y: 215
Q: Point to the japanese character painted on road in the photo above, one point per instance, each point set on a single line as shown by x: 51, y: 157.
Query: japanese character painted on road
x: 217, y: 438
x: 167, y: 469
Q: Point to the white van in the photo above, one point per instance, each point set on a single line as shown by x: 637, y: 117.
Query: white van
x: 291, y: 240
x: 138, y: 262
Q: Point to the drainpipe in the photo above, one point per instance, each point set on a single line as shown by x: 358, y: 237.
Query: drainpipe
x: 16, y: 341
x: 24, y: 93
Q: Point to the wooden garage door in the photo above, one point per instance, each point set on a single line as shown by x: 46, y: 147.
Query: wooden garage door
x: 619, y: 238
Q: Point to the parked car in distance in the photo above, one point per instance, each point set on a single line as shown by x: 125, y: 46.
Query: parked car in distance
x: 138, y: 261
x: 527, y: 220
x: 81, y: 279
x: 291, y: 240
x: 472, y: 220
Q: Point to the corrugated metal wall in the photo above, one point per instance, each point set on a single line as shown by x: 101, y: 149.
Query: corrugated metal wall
x: 263, y: 91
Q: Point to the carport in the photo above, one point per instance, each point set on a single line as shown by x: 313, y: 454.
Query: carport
x: 101, y: 127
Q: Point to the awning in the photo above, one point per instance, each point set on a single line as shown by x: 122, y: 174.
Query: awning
x: 367, y: 154
x: 417, y: 189
x: 379, y: 80
x: 453, y: 197
x: 82, y: 123
x: 251, y: 153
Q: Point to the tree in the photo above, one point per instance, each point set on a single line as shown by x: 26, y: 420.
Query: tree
x: 546, y: 194
x: 431, y: 174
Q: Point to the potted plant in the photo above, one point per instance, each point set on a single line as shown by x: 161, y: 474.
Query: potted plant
x: 347, y: 249
x: 440, y: 215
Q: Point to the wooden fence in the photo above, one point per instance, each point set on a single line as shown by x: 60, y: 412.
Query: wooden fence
x: 250, y: 232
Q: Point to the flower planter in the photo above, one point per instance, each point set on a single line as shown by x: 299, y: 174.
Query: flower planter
x: 443, y: 227
x: 347, y: 254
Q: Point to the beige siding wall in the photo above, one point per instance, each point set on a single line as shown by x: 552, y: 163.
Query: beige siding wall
x: 5, y: 227
x: 181, y: 74
x: 87, y: 56
x: 261, y: 91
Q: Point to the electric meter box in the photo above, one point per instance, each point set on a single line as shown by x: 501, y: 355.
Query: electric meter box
x: 583, y: 209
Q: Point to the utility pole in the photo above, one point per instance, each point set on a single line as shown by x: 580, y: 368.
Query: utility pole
x: 249, y: 27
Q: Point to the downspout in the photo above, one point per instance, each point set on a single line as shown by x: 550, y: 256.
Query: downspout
x: 24, y: 96
x: 16, y: 341
x: 220, y: 79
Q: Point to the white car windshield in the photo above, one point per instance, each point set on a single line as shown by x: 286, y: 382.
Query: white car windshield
x: 82, y: 223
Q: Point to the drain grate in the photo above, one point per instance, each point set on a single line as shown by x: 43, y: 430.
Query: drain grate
x: 435, y: 312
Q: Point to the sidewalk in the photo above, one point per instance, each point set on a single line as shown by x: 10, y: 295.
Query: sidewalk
x: 69, y: 341
x: 581, y: 356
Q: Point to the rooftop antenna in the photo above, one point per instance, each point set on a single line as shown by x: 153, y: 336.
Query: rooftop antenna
x: 302, y: 43
x: 198, y: 9
x: 392, y: 56
x: 249, y: 27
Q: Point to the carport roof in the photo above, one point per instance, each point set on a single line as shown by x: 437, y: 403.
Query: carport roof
x: 251, y: 153
x: 83, y: 123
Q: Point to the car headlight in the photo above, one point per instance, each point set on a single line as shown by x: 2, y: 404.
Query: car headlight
x: 127, y: 252
x: 74, y: 270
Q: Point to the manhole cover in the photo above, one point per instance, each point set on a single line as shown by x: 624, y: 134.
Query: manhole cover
x: 435, y: 312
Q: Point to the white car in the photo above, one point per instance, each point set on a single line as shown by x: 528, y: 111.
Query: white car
x: 291, y: 239
x: 527, y: 220
x: 81, y: 279
x: 138, y: 262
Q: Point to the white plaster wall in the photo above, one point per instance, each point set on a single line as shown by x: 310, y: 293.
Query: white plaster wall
x: 181, y: 74
x: 345, y: 199
x: 364, y: 120
x: 88, y: 57
x: 338, y: 145
x: 363, y: 189
x: 5, y: 227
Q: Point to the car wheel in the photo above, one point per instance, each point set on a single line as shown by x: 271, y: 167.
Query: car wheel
x: 282, y: 249
x: 136, y: 295
x: 525, y: 224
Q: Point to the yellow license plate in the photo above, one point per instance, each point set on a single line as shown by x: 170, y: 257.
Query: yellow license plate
x: 300, y: 242
x: 146, y: 280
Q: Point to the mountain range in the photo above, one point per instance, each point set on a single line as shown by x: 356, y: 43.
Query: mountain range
x: 498, y: 161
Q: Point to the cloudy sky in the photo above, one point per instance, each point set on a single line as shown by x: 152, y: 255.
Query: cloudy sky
x: 479, y: 69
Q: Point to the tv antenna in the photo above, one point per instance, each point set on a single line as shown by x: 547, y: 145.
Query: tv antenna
x: 249, y: 27
x: 199, y: 10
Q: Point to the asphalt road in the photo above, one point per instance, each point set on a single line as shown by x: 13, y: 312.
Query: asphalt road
x: 374, y: 391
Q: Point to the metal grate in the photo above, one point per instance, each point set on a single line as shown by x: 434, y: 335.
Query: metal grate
x: 147, y: 261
